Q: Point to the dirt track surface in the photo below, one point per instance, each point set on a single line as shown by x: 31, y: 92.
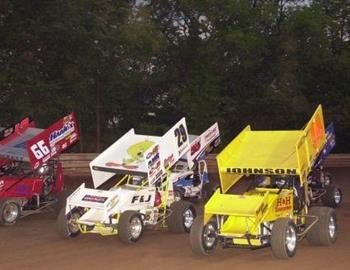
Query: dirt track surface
x: 34, y: 244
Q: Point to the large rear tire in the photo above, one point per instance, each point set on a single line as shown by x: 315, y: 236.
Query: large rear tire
x: 10, y: 212
x: 130, y: 227
x: 324, y: 232
x: 332, y: 197
x: 66, y: 224
x: 283, y: 238
x: 203, y: 237
x: 181, y: 217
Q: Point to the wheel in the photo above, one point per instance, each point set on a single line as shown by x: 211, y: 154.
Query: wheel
x: 181, y: 217
x: 324, y: 232
x: 10, y: 211
x: 327, y: 179
x: 332, y: 197
x: 283, y: 238
x: 203, y: 237
x: 130, y: 227
x: 205, y: 193
x: 178, y: 194
x: 61, y: 200
x: 66, y: 224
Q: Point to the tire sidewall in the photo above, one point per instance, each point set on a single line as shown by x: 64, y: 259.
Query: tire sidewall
x: 194, y: 214
x: 138, y: 216
x: 206, y: 248
x: 4, y: 204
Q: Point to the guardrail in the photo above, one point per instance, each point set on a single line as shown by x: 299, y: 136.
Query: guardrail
x: 78, y: 164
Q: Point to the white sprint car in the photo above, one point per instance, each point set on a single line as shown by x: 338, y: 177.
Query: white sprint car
x: 144, y: 196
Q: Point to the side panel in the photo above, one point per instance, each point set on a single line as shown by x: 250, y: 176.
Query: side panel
x: 310, y: 145
x: 202, y: 143
x: 229, y: 179
x: 53, y: 140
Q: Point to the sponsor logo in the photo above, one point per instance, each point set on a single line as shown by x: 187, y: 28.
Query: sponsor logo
x: 283, y: 204
x: 141, y: 199
x: 195, y: 147
x: 93, y: 198
x: 262, y: 209
x: 169, y: 160
x: 211, y: 134
x: 262, y: 171
x: 57, y: 135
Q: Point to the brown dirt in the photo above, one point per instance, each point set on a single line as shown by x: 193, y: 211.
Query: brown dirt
x: 34, y: 244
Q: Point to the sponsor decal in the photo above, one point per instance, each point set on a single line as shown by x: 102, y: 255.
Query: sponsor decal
x: 283, y: 204
x: 211, y: 134
x: 169, y: 160
x: 94, y: 198
x: 277, y: 171
x: 153, y: 161
x: 261, y: 210
x: 195, y: 147
x: 141, y: 199
x: 61, y: 133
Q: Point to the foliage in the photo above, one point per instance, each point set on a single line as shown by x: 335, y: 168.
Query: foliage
x: 145, y: 64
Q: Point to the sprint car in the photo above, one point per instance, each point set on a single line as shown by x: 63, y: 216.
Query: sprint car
x: 143, y: 197
x: 274, y: 208
x: 31, y: 179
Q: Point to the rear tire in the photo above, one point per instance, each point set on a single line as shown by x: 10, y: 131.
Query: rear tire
x: 324, y: 232
x: 130, y: 227
x: 203, y: 237
x: 283, y: 238
x: 66, y: 226
x: 61, y: 200
x: 333, y: 196
x: 182, y: 216
x: 10, y: 212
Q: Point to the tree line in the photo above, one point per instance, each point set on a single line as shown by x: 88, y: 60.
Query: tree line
x: 122, y: 64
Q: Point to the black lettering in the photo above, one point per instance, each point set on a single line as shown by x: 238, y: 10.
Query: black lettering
x: 149, y: 198
x: 269, y: 171
x: 291, y: 171
x: 280, y: 171
x: 258, y: 171
x: 247, y: 170
x: 134, y: 199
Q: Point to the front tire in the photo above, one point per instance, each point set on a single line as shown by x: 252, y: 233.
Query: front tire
x: 130, y: 227
x: 66, y: 224
x: 10, y: 212
x: 324, y: 232
x: 203, y: 237
x: 182, y: 216
x: 283, y: 238
x: 333, y: 196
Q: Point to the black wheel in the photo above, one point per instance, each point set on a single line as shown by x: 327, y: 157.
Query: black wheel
x: 10, y: 212
x: 178, y: 194
x: 324, y: 232
x: 327, y: 179
x: 61, y: 200
x: 205, y: 193
x: 181, y: 217
x: 67, y: 226
x: 283, y: 238
x: 332, y: 197
x: 130, y: 227
x: 203, y: 237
